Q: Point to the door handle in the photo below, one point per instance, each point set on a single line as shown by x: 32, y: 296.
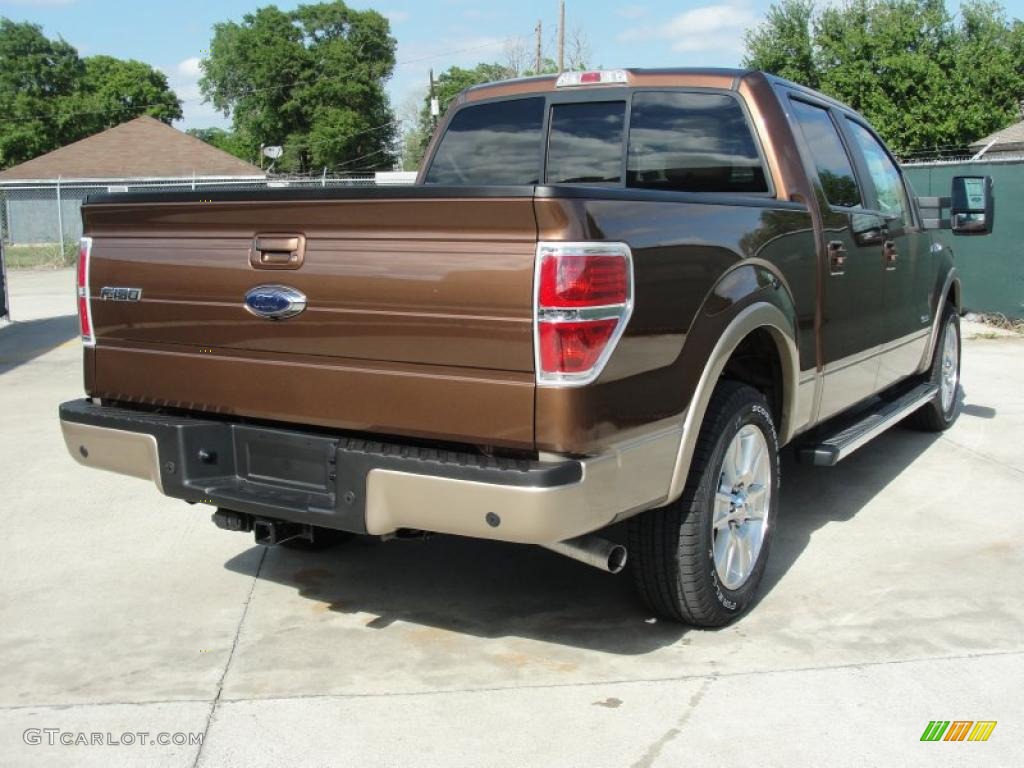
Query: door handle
x: 274, y: 251
x: 836, y: 257
x: 890, y: 253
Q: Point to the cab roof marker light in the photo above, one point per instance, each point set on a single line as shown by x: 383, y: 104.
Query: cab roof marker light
x: 593, y: 77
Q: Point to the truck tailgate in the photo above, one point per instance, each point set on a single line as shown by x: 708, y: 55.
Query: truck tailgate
x: 418, y: 318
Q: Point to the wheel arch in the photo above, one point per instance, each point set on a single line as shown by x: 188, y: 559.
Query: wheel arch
x: 756, y: 322
x: 951, y: 290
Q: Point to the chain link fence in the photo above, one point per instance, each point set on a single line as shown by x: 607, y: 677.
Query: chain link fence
x: 40, y: 223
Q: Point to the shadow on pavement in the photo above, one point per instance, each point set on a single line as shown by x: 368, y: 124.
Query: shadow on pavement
x: 492, y: 589
x: 979, y: 411
x: 22, y: 342
x: 813, y: 497
x: 481, y: 588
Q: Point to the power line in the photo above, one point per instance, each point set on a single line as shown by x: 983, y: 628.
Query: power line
x: 254, y: 91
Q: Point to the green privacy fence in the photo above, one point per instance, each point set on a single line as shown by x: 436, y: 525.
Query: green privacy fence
x: 992, y: 267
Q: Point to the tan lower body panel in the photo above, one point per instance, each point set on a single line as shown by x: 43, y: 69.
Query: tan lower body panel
x: 632, y: 477
x: 128, y: 453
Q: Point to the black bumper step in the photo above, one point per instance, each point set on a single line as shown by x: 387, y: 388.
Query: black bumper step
x: 307, y: 477
x: 826, y: 448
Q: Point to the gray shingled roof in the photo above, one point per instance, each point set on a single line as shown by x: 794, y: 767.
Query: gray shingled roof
x: 1008, y: 139
x: 143, y: 147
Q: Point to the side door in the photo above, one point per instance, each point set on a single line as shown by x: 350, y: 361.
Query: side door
x: 906, y: 259
x: 851, y: 302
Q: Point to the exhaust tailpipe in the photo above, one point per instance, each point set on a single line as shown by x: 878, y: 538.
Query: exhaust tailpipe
x: 592, y: 550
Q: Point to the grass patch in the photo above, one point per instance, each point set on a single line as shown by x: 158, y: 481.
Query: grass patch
x: 45, y: 256
x: 1001, y: 321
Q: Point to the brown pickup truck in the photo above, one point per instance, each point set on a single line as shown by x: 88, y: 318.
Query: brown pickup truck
x: 611, y: 295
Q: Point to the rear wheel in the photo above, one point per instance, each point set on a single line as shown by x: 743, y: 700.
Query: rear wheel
x: 939, y: 413
x: 700, y: 559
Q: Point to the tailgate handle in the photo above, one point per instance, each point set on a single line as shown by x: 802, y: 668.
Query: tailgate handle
x: 273, y: 251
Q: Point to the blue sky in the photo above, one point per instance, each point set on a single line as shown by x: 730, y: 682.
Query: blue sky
x: 437, y: 33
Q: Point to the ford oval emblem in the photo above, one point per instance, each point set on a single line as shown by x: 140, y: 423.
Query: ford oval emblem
x: 275, y: 302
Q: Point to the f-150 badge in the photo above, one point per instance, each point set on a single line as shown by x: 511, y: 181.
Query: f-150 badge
x: 108, y: 293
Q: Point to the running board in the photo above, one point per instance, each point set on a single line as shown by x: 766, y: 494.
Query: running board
x: 829, y: 448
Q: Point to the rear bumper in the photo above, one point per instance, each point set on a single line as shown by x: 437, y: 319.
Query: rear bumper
x: 356, y: 485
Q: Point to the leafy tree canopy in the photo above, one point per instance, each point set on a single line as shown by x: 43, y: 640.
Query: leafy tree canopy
x: 922, y: 77
x: 50, y: 97
x: 310, y: 80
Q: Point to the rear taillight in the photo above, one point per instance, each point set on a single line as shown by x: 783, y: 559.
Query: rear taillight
x: 82, y: 287
x: 584, y: 296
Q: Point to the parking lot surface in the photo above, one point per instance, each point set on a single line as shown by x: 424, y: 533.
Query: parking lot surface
x: 892, y: 598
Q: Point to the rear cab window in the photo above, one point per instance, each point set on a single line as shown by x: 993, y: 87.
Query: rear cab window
x: 493, y: 143
x: 692, y: 142
x: 585, y: 143
x: 669, y: 140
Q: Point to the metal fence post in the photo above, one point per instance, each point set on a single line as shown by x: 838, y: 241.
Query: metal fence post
x: 60, y: 219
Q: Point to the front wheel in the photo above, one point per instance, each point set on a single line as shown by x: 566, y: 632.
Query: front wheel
x: 699, y: 560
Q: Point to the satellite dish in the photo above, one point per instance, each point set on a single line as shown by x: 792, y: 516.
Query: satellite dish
x: 273, y: 152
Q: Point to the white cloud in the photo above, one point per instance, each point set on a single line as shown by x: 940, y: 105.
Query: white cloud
x: 189, y: 68
x: 708, y: 28
x: 397, y: 17
x: 632, y: 11
x: 183, y: 78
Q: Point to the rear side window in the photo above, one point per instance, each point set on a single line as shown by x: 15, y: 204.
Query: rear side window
x: 830, y: 159
x: 496, y: 143
x: 692, y: 142
x: 585, y: 143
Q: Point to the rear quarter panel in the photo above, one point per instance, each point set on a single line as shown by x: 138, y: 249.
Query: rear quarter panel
x: 696, y: 265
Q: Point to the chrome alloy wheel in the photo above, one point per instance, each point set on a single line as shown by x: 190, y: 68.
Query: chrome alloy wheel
x: 742, y: 502
x: 950, y: 374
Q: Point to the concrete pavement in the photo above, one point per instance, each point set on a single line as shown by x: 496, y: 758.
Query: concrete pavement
x: 891, y: 599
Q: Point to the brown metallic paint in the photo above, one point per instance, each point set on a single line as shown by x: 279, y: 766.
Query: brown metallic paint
x: 436, y: 292
x: 420, y: 311
x: 464, y: 405
x: 681, y: 253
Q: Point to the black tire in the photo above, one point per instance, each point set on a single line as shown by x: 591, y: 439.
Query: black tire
x: 323, y: 538
x: 933, y: 416
x: 671, y: 548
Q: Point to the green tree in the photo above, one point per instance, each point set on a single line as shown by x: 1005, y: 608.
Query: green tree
x: 783, y: 43
x: 923, y: 78
x: 228, y: 141
x: 50, y: 97
x: 113, y: 90
x: 312, y: 80
x: 37, y: 77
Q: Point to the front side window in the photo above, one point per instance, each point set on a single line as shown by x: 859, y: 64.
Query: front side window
x: 692, y: 142
x: 892, y: 197
x: 585, y: 144
x: 496, y: 143
x: 828, y: 154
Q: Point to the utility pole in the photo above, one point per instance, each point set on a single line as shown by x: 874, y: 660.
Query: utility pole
x: 435, y: 106
x: 561, y: 36
x: 539, y: 58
